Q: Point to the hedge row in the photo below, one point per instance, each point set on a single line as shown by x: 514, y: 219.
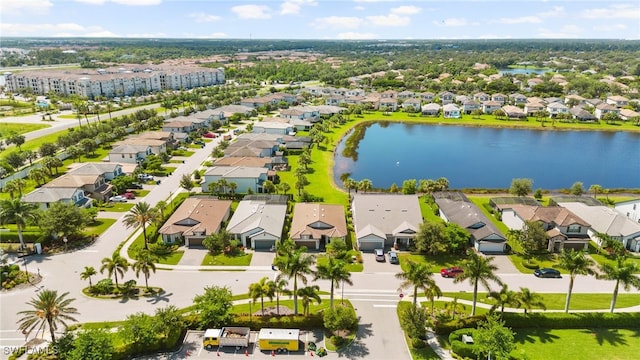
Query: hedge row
x: 572, y: 320
x: 314, y: 321
x: 464, y: 323
x: 458, y: 347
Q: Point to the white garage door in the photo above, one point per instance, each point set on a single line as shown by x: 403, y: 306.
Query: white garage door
x: 490, y: 247
x: 263, y: 244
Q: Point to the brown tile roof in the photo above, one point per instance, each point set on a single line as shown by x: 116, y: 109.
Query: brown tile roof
x: 197, y: 214
x: 318, y: 219
x: 243, y: 161
x: 556, y: 214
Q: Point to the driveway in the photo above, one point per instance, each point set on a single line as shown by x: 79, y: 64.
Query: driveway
x: 193, y: 255
x: 262, y: 258
x: 373, y: 266
x: 504, y: 264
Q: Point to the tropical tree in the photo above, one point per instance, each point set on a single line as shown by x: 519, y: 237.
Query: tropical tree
x: 502, y: 298
x: 280, y: 287
x: 478, y: 270
x: 577, y: 263
x: 350, y: 184
x: 521, y: 187
x: 114, y: 265
x: 39, y: 175
x: 623, y: 272
x: 161, y: 206
x: 418, y: 276
x: 335, y: 271
x: 49, y: 311
x: 233, y: 187
x: 141, y: 215
x: 15, y: 185
x: 260, y: 289
x: 365, y: 185
x: 15, y: 211
x: 145, y: 264
x: 293, y: 264
x: 308, y: 295
x: 75, y: 152
x: 88, y: 272
x: 528, y: 300
x: 595, y: 189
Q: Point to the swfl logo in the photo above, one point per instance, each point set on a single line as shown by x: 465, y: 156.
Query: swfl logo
x: 29, y: 350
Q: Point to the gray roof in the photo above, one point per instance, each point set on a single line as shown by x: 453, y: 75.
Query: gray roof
x: 467, y: 215
x: 49, y: 195
x: 386, y: 214
x: 95, y: 168
x: 258, y: 214
x: 604, y: 219
x: 129, y: 149
x: 236, y: 171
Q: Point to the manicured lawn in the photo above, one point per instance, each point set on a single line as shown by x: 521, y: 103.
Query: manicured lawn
x: 427, y: 211
x: 543, y: 261
x: 435, y: 262
x: 602, y: 259
x: 480, y: 201
x: 171, y: 259
x: 224, y: 260
x: 440, y: 305
x: 543, y: 344
x: 100, y: 226
x: 140, y: 193
x: 352, y: 267
x: 116, y: 207
x: 285, y: 301
x: 579, y: 301
x: 426, y: 353
x: 7, y: 128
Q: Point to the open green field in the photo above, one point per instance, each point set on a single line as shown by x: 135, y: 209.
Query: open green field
x: 544, y: 344
x: 224, y: 260
x: 351, y: 267
x: 171, y: 259
x: 7, y: 128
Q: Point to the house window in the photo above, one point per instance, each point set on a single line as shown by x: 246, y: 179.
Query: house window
x: 123, y: 156
x: 574, y: 229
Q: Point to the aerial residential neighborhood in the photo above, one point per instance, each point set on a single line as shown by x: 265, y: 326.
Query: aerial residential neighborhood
x: 382, y: 193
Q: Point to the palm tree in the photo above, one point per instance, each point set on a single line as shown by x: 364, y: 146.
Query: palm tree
x: 141, y: 215
x: 528, y: 300
x: 293, y: 264
x: 18, y: 212
x: 349, y: 183
x: 623, y: 273
x: 365, y: 185
x: 595, y: 189
x: 504, y: 297
x: 15, y: 185
x: 418, y: 276
x: 576, y: 263
x: 477, y: 269
x: 49, y: 310
x: 308, y: 295
x: 11, y: 188
x: 260, y: 289
x: 280, y: 287
x: 161, y: 206
x: 453, y: 307
x: 432, y: 293
x: 88, y: 272
x: 115, y: 265
x: 232, y: 188
x: 336, y: 271
x: 39, y: 175
x: 145, y: 264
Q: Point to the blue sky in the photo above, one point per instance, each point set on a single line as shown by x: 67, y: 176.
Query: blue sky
x: 322, y: 19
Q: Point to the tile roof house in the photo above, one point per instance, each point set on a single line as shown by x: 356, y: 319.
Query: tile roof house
x: 488, y: 107
x: 258, y: 223
x: 314, y: 225
x: 481, y: 97
x: 514, y: 112
x: 183, y: 126
x: 556, y: 108
x: 608, y: 221
x: 195, y: 219
x: 517, y: 98
x: 272, y: 128
x: 109, y: 170
x: 412, y: 103
x: 565, y: 230
x: 244, y: 177
x: 500, y: 98
x: 532, y: 108
x: 391, y: 104
x: 430, y: 109
x: 628, y: 114
x: 451, y: 111
x: 604, y: 108
x: 44, y: 197
x: 446, y: 97
x: 486, y: 237
x: 469, y: 106
x: 131, y: 154
x: 95, y: 185
x: 157, y: 146
x: 581, y: 114
x: 385, y: 220
x: 617, y: 101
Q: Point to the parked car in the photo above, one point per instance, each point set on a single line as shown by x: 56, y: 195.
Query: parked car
x: 136, y: 186
x: 393, y: 258
x: 547, y: 273
x: 118, y: 198
x: 198, y: 142
x: 451, y: 272
x: 145, y: 177
x: 129, y: 195
x: 379, y: 255
x: 210, y: 135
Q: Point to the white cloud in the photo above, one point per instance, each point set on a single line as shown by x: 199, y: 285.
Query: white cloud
x: 406, y: 10
x: 389, y: 20
x: 610, y: 27
x: 555, y: 11
x: 70, y: 29
x: 30, y: 6
x: 202, y: 17
x: 293, y: 7
x: 358, y: 8
x: 252, y: 11
x: 621, y: 11
x: 356, y: 36
x: 565, y: 32
x: 520, y: 20
x: 451, y: 22
x: 337, y: 22
x: 123, y: 2
x: 92, y: 2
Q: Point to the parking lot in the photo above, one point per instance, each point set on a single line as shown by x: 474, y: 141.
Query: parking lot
x: 192, y: 348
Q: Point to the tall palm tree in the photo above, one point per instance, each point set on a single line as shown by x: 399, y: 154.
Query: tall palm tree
x: 145, y: 264
x: 577, y: 263
x: 280, y: 287
x: 16, y: 185
x: 49, y: 310
x: 232, y: 188
x: 309, y: 294
x: 88, y: 272
x: 335, y: 271
x: 528, y: 300
x: 504, y: 297
x: 115, y: 265
x: 161, y: 206
x: 293, y: 264
x: 39, y: 175
x: 432, y: 293
x: 418, y: 276
x: 365, y: 185
x: 11, y: 188
x: 141, y: 215
x: 478, y: 270
x: 260, y: 289
x: 18, y: 212
x: 350, y: 184
x: 623, y: 273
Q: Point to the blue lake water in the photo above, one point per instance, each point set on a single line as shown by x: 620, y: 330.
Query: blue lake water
x: 471, y: 157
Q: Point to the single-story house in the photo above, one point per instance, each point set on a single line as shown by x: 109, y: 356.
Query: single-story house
x: 44, y: 197
x: 258, y: 223
x: 385, y: 220
x: 195, y: 219
x: 608, y: 221
x: 485, y: 236
x: 431, y: 109
x: 565, y: 230
x: 628, y: 114
x: 157, y: 146
x: 314, y: 225
x: 109, y: 170
x: 513, y: 112
x: 581, y: 114
x: 451, y: 111
x: 131, y: 154
x: 95, y: 185
x: 244, y: 177
x: 273, y: 128
x: 617, y: 101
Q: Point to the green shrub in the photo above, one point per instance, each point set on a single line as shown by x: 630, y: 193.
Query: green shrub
x: 572, y: 320
x: 417, y: 343
x: 314, y: 321
x: 337, y: 341
x: 444, y: 328
x: 102, y: 287
x: 530, y: 264
x: 463, y: 350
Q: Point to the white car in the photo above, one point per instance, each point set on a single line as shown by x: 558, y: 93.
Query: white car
x: 145, y: 177
x: 118, y: 198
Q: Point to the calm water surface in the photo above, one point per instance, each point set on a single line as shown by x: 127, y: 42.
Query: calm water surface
x: 489, y: 158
